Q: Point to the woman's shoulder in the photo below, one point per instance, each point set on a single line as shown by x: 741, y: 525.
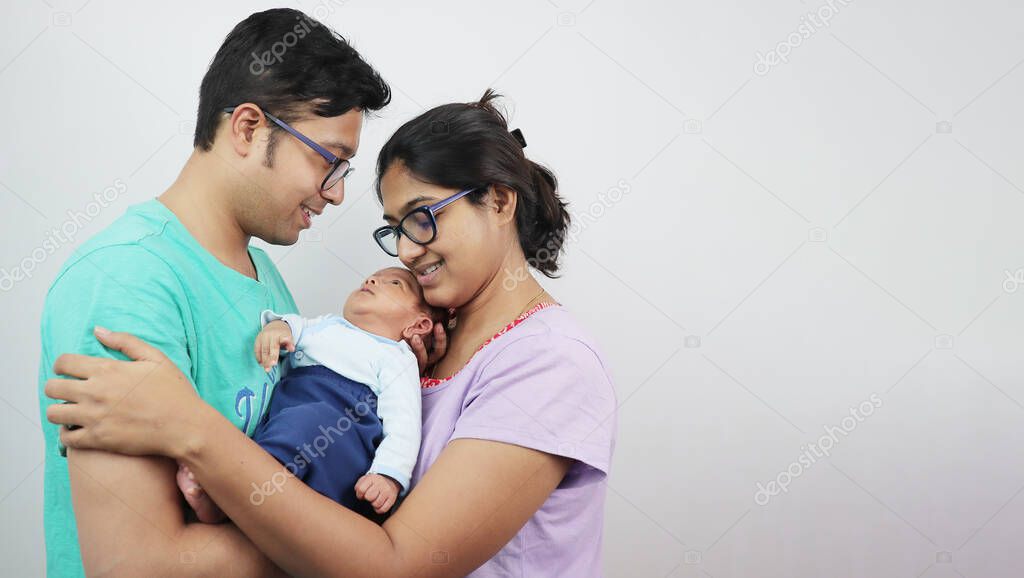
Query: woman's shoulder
x: 551, y: 335
x: 545, y: 387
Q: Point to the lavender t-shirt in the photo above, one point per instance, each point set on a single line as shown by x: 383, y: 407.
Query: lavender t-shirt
x: 541, y: 385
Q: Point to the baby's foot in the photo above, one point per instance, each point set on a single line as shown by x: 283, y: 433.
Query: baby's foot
x: 206, y: 510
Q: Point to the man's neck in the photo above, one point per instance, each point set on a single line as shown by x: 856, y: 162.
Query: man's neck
x: 200, y: 198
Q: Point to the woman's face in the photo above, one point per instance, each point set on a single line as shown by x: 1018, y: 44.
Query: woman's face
x: 469, y: 248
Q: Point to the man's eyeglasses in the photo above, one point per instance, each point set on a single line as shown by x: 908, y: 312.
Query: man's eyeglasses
x: 340, y: 168
x: 418, y: 225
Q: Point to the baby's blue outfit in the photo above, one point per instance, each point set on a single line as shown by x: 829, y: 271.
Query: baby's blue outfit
x: 348, y: 399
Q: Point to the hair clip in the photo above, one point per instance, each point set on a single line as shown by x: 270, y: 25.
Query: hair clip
x: 518, y: 135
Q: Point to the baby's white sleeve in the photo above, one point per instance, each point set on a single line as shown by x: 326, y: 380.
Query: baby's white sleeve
x: 399, y: 407
x: 296, y: 323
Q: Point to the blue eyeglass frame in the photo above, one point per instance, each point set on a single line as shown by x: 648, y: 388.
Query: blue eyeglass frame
x: 429, y: 210
x: 335, y: 162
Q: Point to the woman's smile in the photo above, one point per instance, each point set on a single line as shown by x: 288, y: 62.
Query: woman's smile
x: 428, y: 275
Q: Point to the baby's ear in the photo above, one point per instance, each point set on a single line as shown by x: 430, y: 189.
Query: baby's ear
x: 423, y: 326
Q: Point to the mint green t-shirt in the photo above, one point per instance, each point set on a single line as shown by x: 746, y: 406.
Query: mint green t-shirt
x: 147, y: 275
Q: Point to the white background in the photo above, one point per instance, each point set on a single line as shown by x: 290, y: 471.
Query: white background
x: 814, y: 229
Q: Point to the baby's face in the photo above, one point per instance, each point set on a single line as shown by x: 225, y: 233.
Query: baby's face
x: 390, y: 295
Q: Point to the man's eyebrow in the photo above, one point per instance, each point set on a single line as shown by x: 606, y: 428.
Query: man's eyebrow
x: 408, y: 206
x: 346, y: 151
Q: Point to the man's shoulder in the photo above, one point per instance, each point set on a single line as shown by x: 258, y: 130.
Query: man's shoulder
x: 118, y: 279
x: 132, y: 247
x: 137, y: 232
x: 141, y: 222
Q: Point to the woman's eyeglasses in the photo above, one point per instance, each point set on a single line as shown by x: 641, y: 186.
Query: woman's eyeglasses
x: 340, y: 168
x: 418, y: 225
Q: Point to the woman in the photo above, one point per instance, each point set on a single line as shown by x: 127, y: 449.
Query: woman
x: 518, y: 416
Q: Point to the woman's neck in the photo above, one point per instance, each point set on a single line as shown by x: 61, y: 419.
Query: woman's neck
x: 495, y: 307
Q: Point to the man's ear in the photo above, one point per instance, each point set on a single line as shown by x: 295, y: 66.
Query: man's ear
x: 504, y: 200
x: 422, y: 327
x: 242, y: 126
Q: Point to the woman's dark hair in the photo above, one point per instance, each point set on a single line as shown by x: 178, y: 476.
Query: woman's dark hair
x: 289, y: 64
x: 467, y: 145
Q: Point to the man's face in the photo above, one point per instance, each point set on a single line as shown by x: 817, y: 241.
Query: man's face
x: 284, y: 198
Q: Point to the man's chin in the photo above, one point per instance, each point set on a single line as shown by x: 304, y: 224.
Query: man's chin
x: 282, y: 240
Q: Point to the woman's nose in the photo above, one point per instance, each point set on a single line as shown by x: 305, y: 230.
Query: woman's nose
x: 409, y: 251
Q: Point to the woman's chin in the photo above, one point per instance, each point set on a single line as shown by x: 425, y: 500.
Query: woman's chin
x: 437, y: 296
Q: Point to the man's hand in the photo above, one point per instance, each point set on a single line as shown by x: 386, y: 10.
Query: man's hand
x: 439, y: 347
x: 381, y: 491
x: 269, y: 343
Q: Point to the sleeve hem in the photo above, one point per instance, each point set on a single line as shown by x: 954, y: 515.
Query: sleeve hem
x: 587, y: 453
x: 401, y: 478
x: 294, y: 322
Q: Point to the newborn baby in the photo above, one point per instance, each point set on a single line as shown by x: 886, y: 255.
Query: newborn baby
x: 345, y: 418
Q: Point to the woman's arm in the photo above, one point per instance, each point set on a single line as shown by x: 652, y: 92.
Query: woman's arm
x: 471, y: 502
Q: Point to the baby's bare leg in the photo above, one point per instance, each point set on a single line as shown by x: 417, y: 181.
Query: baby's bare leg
x: 206, y: 510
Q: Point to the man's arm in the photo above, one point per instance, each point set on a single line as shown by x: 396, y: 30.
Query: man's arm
x: 128, y: 510
x: 131, y: 523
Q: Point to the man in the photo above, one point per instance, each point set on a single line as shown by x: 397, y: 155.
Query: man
x: 280, y: 111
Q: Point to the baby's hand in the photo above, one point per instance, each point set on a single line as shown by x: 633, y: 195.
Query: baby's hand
x: 269, y: 343
x: 381, y: 491
x: 203, y: 505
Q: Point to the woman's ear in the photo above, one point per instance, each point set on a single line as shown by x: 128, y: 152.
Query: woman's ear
x: 503, y: 200
x: 422, y: 327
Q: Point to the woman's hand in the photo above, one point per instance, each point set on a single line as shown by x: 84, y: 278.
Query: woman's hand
x: 437, y: 351
x: 139, y: 407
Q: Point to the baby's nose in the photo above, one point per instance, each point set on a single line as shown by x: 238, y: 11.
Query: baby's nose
x: 371, y: 281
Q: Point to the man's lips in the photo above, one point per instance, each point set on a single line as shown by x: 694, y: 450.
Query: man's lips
x: 308, y: 213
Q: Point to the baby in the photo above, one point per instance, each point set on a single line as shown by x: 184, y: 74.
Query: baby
x: 345, y: 418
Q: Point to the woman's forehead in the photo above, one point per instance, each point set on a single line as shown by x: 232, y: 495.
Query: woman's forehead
x: 401, y: 192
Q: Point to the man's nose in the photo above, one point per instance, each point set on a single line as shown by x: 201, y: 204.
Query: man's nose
x: 336, y: 194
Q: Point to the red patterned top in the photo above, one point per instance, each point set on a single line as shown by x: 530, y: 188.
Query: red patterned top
x: 426, y: 382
